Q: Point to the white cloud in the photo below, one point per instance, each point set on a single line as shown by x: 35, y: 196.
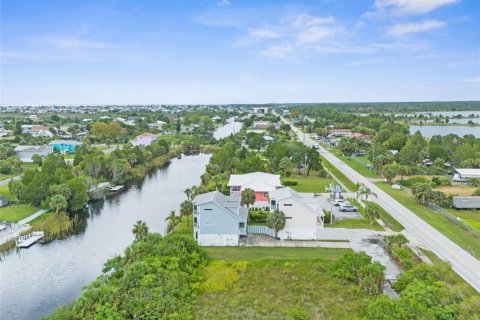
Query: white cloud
x: 294, y: 34
x: 415, y: 27
x: 404, y: 7
x: 223, y: 3
x: 473, y: 80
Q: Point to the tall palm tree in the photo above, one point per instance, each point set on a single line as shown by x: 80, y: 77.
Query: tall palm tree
x: 357, y: 188
x: 372, y: 211
x: 276, y: 221
x: 58, y: 202
x: 173, y: 220
x: 366, y: 192
x: 188, y: 193
x: 248, y: 197
x: 140, y: 230
x: 186, y: 209
x: 218, y: 179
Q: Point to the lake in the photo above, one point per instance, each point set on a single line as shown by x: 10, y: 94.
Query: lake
x: 231, y: 127
x: 429, y: 131
x: 37, y: 280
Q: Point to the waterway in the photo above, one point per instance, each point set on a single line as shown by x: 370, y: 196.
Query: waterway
x: 429, y: 131
x: 35, y: 281
x: 231, y: 127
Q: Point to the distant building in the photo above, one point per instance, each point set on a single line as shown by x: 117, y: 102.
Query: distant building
x: 303, y: 213
x: 39, y: 131
x: 260, y: 110
x: 25, y: 153
x: 467, y: 173
x: 64, y: 146
x: 260, y: 182
x: 145, y: 139
x: 466, y: 202
x: 218, y: 220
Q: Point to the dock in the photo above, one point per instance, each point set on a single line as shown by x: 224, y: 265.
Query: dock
x: 29, y: 239
x: 117, y: 188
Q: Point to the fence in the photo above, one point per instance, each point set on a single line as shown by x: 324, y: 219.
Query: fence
x: 454, y: 219
x: 261, y: 230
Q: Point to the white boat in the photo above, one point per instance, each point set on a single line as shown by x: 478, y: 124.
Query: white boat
x: 116, y: 188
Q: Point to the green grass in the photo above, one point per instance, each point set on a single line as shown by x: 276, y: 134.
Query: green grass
x: 471, y: 217
x: 183, y: 228
x: 359, y: 164
x: 25, y: 166
x: 457, y: 234
x: 4, y: 191
x: 284, y: 289
x: 283, y: 253
x: 311, y: 183
x: 339, y: 175
x: 16, y: 213
x: 354, y: 224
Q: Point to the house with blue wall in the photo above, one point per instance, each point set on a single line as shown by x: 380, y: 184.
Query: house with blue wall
x: 64, y: 146
x: 218, y: 220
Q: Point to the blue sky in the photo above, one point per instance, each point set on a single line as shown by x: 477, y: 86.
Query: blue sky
x: 228, y: 51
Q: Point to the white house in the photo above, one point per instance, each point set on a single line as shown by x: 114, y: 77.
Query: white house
x: 260, y: 182
x: 218, y: 220
x: 145, y: 139
x: 303, y: 213
x: 40, y: 131
x: 25, y: 153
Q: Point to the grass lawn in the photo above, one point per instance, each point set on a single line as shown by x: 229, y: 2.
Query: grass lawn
x: 340, y: 176
x: 284, y: 289
x: 25, y: 166
x: 460, y: 236
x: 359, y: 164
x: 16, y: 213
x: 354, y: 224
x: 4, y: 191
x: 311, y: 183
x: 261, y: 253
x: 471, y: 217
x: 460, y: 189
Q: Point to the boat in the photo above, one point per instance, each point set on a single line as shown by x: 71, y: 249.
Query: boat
x: 117, y: 188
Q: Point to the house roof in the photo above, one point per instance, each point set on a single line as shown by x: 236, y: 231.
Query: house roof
x: 39, y: 128
x: 307, y: 199
x: 146, y: 134
x: 231, y: 203
x: 31, y: 148
x: 468, y: 173
x: 257, y: 181
x: 67, y: 142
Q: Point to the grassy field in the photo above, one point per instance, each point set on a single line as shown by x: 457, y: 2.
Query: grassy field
x: 284, y: 289
x: 471, y: 217
x: 359, y: 164
x: 17, y: 212
x: 354, y: 224
x: 260, y: 253
x: 311, y: 183
x: 460, y: 236
x: 340, y: 176
x: 460, y: 190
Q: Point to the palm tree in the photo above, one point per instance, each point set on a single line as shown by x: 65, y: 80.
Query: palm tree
x: 248, y: 197
x: 140, y: 230
x: 58, y: 203
x: 276, y: 221
x: 372, y: 211
x: 285, y: 164
x: 357, y: 188
x: 218, y: 179
x: 173, y: 220
x: 366, y: 192
x: 188, y: 193
x: 186, y: 209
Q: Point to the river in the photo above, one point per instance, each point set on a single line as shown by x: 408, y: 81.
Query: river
x: 35, y: 281
x: 231, y: 127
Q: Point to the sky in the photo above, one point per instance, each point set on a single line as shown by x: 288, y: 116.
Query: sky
x: 230, y: 51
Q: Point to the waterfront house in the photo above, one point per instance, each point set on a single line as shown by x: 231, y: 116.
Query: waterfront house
x: 3, y: 201
x: 64, y: 146
x: 25, y: 153
x: 260, y: 182
x: 218, y: 220
x: 303, y: 213
x: 145, y: 139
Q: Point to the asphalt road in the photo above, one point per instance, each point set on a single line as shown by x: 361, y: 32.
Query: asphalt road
x: 462, y: 262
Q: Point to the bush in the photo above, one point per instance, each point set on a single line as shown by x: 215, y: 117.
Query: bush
x: 220, y: 276
x: 257, y: 216
x: 290, y: 183
x: 415, y: 180
x: 441, y: 181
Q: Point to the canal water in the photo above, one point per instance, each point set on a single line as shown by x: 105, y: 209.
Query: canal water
x: 428, y: 130
x: 35, y: 281
x: 231, y: 127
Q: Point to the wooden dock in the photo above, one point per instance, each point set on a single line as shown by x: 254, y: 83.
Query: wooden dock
x: 116, y: 188
x: 29, y: 239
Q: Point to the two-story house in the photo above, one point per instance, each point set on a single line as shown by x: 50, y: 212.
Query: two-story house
x: 218, y: 220
x: 303, y: 213
x: 260, y: 182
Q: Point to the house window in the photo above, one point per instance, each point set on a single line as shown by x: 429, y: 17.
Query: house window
x: 208, y: 223
x: 288, y: 218
x: 196, y: 235
x: 287, y: 204
x: 265, y: 194
x: 195, y: 207
x: 241, y: 224
x: 207, y: 209
x: 236, y: 188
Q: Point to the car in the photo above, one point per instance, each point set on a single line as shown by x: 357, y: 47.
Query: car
x: 339, y: 202
x: 348, y: 208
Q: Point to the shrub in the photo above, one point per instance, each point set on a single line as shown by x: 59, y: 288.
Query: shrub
x: 257, y: 216
x: 290, y: 183
x: 219, y: 276
x: 414, y: 180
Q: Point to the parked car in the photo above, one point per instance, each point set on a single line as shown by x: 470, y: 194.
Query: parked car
x: 339, y: 202
x: 348, y: 208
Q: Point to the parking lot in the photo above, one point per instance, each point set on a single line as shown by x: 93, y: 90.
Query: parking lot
x: 327, y: 205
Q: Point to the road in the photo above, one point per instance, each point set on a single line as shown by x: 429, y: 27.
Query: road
x: 462, y: 262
